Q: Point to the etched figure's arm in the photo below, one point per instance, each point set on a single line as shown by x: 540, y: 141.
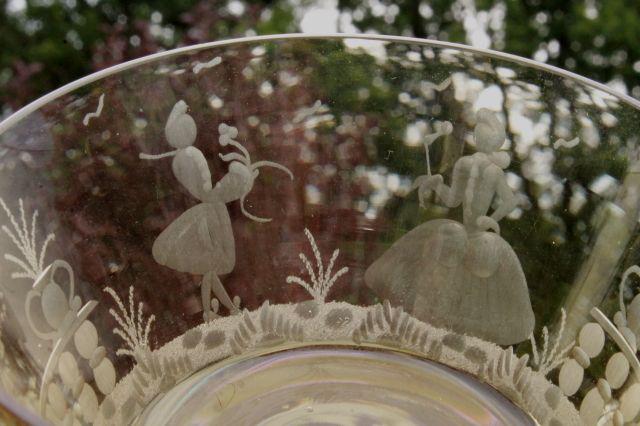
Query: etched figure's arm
x: 508, y: 200
x: 452, y: 195
x: 229, y: 188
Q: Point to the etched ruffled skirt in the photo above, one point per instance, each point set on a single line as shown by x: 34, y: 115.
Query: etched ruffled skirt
x: 471, y: 283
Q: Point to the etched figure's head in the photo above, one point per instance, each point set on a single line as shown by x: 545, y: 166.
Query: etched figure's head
x: 237, y: 184
x: 489, y: 132
x: 180, y: 132
x: 180, y: 129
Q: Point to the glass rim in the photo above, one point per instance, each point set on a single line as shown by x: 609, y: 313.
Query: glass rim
x: 36, y: 104
x: 19, y: 410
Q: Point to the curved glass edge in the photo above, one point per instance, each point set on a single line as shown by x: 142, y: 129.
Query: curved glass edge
x: 12, y: 410
x: 38, y: 103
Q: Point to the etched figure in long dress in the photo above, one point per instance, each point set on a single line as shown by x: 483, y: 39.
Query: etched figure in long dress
x: 461, y: 276
x: 200, y: 241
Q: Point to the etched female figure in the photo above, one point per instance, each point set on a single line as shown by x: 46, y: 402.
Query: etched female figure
x: 476, y: 178
x: 459, y: 275
x: 200, y: 241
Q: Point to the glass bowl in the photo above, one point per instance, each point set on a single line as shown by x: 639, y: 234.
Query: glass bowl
x: 341, y: 229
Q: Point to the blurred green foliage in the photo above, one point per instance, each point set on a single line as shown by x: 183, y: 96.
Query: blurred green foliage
x: 46, y: 43
x: 594, y: 38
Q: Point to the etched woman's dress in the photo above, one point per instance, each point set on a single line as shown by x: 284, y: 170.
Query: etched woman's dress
x: 460, y: 276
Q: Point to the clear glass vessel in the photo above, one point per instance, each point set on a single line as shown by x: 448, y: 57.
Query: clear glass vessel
x: 342, y: 229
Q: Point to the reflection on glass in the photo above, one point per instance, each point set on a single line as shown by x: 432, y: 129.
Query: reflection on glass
x: 465, y: 218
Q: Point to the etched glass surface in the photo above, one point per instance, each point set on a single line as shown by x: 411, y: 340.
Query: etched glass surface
x: 205, y: 222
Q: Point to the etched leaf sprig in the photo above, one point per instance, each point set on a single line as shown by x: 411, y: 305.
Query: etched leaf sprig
x: 23, y: 236
x: 133, y: 329
x: 550, y: 357
x: 322, y: 281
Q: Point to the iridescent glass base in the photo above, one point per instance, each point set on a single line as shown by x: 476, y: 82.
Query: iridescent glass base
x: 333, y: 386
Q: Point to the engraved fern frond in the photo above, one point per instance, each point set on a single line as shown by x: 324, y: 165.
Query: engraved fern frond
x: 550, y: 357
x: 23, y: 235
x: 322, y: 280
x: 133, y: 328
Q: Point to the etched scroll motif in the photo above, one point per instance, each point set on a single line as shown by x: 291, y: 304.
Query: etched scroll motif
x: 56, y: 314
x: 438, y: 87
x: 95, y: 114
x: 566, y: 143
x: 459, y: 275
x: 307, y: 112
x: 199, y: 66
x: 201, y: 240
